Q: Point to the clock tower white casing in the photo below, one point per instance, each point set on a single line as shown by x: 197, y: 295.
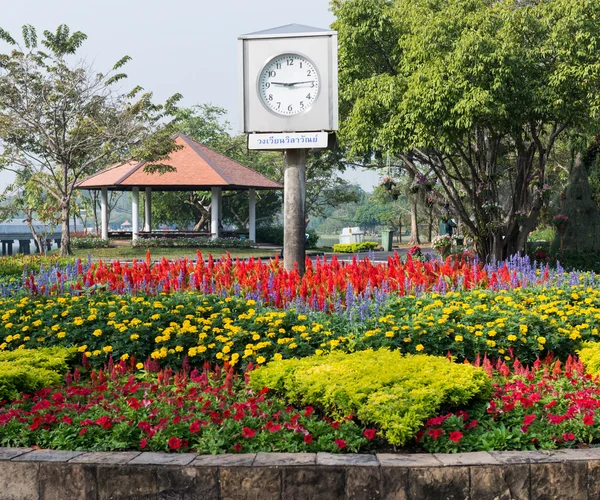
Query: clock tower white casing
x: 271, y: 60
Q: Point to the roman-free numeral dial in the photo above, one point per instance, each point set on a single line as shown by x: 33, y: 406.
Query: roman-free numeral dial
x: 288, y: 84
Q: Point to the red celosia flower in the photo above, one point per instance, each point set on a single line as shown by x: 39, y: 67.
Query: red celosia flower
x: 341, y: 444
x: 455, y: 436
x: 435, y: 433
x: 370, y: 433
x: 588, y: 420
x: 249, y: 433
x: 308, y: 439
x: 174, y: 443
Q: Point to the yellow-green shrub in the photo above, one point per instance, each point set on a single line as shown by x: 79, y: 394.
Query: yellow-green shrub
x: 394, y: 392
x: 589, y: 354
x: 354, y: 247
x: 28, y: 370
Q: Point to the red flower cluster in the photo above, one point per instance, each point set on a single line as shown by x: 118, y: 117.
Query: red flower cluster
x: 210, y: 411
x: 324, y: 285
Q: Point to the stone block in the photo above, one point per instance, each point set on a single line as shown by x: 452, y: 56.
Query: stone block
x: 10, y: 453
x: 439, y: 483
x: 363, y: 483
x: 225, y: 460
x: 475, y: 458
x: 47, y: 456
x: 187, y: 483
x: 19, y: 481
x: 559, y: 480
x: 126, y: 482
x: 527, y: 457
x: 58, y: 481
x: 250, y: 483
x: 105, y: 457
x: 153, y: 458
x: 313, y: 483
x: 339, y: 460
x: 281, y: 459
x: 394, y: 483
x: 508, y: 482
x: 406, y: 460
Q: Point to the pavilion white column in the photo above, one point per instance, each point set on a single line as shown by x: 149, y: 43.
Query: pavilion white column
x: 252, y: 215
x: 215, y: 211
x: 148, y: 210
x: 135, y: 212
x: 104, y: 212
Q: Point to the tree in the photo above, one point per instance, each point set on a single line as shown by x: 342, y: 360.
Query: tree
x: 61, y: 121
x: 476, y: 91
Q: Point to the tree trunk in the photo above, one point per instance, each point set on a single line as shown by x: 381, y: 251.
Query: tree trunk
x: 414, y: 227
x: 199, y: 224
x: 65, y: 239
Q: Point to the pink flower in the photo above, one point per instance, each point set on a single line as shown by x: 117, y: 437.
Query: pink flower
x: 370, y: 433
x: 248, y: 433
x: 174, y: 443
x: 435, y: 433
x: 455, y: 436
x: 143, y: 443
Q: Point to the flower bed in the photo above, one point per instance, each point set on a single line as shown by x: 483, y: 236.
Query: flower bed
x: 207, y: 412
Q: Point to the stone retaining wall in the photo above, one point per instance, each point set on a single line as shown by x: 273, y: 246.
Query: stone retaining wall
x: 65, y: 475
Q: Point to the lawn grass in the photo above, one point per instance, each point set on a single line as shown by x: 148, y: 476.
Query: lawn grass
x: 129, y: 253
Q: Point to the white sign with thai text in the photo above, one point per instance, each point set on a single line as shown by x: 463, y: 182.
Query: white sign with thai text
x: 307, y: 140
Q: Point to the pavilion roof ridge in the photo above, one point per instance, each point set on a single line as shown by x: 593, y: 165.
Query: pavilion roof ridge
x: 194, y: 145
x: 230, y: 159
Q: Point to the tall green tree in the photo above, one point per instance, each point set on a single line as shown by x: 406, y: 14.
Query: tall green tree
x: 60, y: 120
x: 477, y: 91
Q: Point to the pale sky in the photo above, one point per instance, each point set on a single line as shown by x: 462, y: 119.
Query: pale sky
x: 181, y: 46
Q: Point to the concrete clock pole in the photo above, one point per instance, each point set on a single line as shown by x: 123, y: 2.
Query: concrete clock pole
x: 289, y: 95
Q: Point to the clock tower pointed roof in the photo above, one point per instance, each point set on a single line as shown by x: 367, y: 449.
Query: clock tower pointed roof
x: 288, y: 30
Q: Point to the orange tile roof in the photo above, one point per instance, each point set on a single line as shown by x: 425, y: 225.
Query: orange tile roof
x: 197, y: 168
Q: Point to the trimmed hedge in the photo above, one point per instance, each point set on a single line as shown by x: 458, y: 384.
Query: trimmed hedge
x: 89, y: 242
x: 354, y: 247
x: 394, y: 392
x: 28, y: 370
x: 192, y: 243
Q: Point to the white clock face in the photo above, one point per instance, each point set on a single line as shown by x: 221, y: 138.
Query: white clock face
x: 288, y: 84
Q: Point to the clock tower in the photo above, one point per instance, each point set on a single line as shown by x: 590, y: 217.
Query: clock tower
x: 289, y: 98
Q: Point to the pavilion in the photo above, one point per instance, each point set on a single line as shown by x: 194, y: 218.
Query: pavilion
x: 197, y: 168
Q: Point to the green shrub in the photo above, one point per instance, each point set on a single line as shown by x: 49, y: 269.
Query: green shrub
x: 199, y: 242
x: 13, y: 266
x: 354, y: 247
x: 28, y: 370
x: 89, y: 242
x: 394, y: 392
x: 589, y: 354
x: 270, y: 234
x: 546, y: 234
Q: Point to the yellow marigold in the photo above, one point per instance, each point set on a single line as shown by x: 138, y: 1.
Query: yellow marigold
x: 278, y: 356
x: 139, y: 366
x: 458, y: 338
x: 61, y: 335
x: 97, y: 333
x: 523, y: 329
x: 419, y: 347
x: 107, y: 349
x: 134, y: 336
x: 260, y: 360
x: 541, y: 340
x: 511, y: 338
x: 125, y: 357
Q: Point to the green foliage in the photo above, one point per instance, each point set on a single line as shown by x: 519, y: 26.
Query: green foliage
x: 13, y: 266
x: 589, y: 354
x: 89, y: 242
x: 542, y: 234
x: 272, y: 233
x: 395, y: 392
x: 355, y: 247
x: 27, y: 370
x: 192, y: 243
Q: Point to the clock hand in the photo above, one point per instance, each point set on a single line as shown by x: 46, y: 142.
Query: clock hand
x: 281, y: 83
x: 299, y: 83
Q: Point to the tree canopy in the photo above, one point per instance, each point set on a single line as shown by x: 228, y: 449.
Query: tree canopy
x: 476, y: 91
x: 61, y: 121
